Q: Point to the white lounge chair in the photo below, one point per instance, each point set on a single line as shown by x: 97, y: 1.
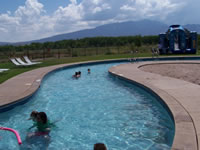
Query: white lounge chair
x: 23, y: 63
x: 29, y: 61
x: 15, y: 62
x: 2, y: 70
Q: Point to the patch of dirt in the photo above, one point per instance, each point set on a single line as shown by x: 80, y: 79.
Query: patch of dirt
x: 187, y: 72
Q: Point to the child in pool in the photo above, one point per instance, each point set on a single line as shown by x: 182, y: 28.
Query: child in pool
x: 42, y: 124
x: 33, y: 116
x: 41, y: 135
x: 76, y: 75
x: 100, y: 146
x: 88, y: 70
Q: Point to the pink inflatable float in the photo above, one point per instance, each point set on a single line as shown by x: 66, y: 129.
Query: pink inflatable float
x: 15, y: 132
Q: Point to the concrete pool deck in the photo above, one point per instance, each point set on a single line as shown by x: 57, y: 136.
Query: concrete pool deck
x: 181, y: 97
x: 23, y: 85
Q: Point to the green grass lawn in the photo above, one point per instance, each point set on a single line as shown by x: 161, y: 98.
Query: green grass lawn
x: 14, y: 70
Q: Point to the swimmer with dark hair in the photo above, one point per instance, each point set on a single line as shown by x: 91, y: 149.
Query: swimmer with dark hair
x: 42, y: 124
x: 99, y: 146
x: 88, y: 70
x: 77, y: 75
x: 33, y: 117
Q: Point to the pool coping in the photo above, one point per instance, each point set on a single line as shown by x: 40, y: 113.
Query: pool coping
x: 174, y: 93
x: 16, y: 90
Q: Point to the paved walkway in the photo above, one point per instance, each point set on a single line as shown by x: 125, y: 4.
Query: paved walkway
x: 23, y: 85
x: 182, y: 97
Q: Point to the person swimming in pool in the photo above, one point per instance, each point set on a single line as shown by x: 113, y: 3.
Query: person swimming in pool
x: 41, y: 135
x: 99, y: 146
x: 42, y: 124
x: 88, y: 70
x: 33, y: 117
x: 77, y: 75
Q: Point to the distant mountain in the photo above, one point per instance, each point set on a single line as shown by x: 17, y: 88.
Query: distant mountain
x: 4, y: 43
x: 144, y: 27
x: 130, y: 28
x: 193, y: 27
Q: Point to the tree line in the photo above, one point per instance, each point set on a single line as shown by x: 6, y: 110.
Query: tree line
x: 86, y: 43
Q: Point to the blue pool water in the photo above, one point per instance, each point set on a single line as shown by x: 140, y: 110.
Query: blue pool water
x: 94, y: 108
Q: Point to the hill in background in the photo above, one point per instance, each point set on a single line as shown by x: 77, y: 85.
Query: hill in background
x: 130, y: 28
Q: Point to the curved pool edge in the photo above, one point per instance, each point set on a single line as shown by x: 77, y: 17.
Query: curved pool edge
x: 173, y: 93
x: 18, y: 89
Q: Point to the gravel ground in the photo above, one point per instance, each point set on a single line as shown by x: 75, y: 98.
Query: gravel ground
x: 187, y: 72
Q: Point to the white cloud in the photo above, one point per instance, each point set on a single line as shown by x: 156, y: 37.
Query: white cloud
x: 96, y: 10
x: 100, y: 9
x: 106, y: 6
x: 73, y: 2
x: 71, y: 12
x: 96, y: 2
x: 141, y: 9
x: 128, y: 8
x: 31, y: 21
x: 32, y: 8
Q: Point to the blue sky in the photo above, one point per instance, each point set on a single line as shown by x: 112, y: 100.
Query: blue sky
x: 24, y: 20
x: 49, y: 5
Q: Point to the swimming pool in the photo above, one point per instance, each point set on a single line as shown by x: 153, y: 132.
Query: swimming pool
x: 94, y: 108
